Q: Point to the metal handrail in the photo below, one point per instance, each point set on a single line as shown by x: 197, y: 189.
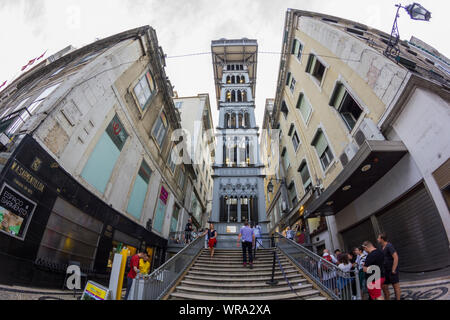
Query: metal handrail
x: 156, y: 285
x: 335, y: 282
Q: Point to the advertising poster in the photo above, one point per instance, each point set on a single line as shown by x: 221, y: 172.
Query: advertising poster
x: 16, y: 212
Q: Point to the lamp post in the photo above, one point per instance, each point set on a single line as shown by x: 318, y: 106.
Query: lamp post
x: 416, y: 12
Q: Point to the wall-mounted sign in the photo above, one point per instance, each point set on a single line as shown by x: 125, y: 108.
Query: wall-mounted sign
x: 16, y: 212
x: 25, y: 180
x: 164, y: 195
x: 231, y: 229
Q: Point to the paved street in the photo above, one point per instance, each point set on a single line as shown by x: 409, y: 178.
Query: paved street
x: 23, y: 293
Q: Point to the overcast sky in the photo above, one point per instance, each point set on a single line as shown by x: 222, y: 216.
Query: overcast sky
x: 29, y: 27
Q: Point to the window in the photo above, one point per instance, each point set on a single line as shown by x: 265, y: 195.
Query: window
x: 295, y: 141
x: 292, y: 85
x: 137, y: 197
x: 144, y: 90
x: 160, y: 211
x: 160, y: 129
x: 315, y: 68
x: 181, y: 179
x: 170, y: 161
x: 285, y: 157
x: 284, y: 109
x: 174, y: 219
x: 347, y: 107
x: 103, y: 158
x: 304, y: 107
x: 304, y: 173
x: 323, y: 150
x: 288, y: 78
x: 292, y: 193
x: 297, y: 49
x: 178, y: 105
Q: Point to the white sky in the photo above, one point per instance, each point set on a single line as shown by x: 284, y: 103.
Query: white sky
x: 29, y: 27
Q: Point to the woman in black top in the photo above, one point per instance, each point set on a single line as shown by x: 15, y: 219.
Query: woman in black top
x: 212, y: 241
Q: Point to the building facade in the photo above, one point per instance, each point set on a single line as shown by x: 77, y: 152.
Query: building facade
x: 238, y: 194
x: 364, y: 139
x: 197, y: 124
x: 85, y: 160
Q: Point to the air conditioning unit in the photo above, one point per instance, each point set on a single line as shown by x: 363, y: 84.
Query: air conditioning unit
x: 349, y: 152
x: 4, y: 140
x: 368, y: 130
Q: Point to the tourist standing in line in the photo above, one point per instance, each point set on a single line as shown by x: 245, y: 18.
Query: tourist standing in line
x: 248, y: 241
x: 390, y: 267
x: 375, y: 258
x: 360, y: 259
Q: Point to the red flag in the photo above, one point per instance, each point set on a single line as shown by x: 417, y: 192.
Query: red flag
x: 42, y: 55
x: 3, y: 84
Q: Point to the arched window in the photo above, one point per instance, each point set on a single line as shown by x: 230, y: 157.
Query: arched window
x: 247, y: 120
x: 240, y: 118
x: 233, y: 79
x: 228, y: 79
x: 233, y: 120
x: 232, y: 67
x: 239, y: 96
x: 233, y: 96
x: 244, y: 95
x: 227, y: 120
x: 242, y: 79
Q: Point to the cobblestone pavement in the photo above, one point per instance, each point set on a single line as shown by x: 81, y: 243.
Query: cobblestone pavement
x: 433, y: 289
x: 24, y: 293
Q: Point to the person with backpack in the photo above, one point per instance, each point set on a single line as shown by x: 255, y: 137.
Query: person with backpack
x: 134, y: 270
x: 327, y: 274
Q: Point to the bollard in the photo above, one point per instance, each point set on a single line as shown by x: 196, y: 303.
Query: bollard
x: 273, y: 282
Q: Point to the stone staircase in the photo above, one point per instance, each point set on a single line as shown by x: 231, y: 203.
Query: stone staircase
x: 224, y: 278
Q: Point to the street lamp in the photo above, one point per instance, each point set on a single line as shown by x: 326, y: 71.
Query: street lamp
x: 416, y: 12
x: 270, y: 185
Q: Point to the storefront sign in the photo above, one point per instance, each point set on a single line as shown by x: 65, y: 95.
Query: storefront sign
x: 94, y: 291
x: 16, y: 212
x: 25, y: 179
x: 164, y: 195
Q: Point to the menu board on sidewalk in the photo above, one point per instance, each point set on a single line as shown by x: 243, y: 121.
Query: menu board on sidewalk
x: 94, y: 291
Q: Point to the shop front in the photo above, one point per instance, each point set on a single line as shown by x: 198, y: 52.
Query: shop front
x: 48, y: 221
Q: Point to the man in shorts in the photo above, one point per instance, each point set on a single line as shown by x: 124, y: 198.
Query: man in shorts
x: 390, y: 267
x: 374, y: 259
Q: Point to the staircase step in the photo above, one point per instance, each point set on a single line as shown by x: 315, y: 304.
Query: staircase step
x: 309, y: 294
x: 245, y: 291
x: 248, y: 278
x: 241, y: 269
x: 247, y: 284
x: 239, y: 265
x: 245, y: 273
x: 238, y: 259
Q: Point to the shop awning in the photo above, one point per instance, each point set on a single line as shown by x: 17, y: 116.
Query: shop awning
x: 372, y: 161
